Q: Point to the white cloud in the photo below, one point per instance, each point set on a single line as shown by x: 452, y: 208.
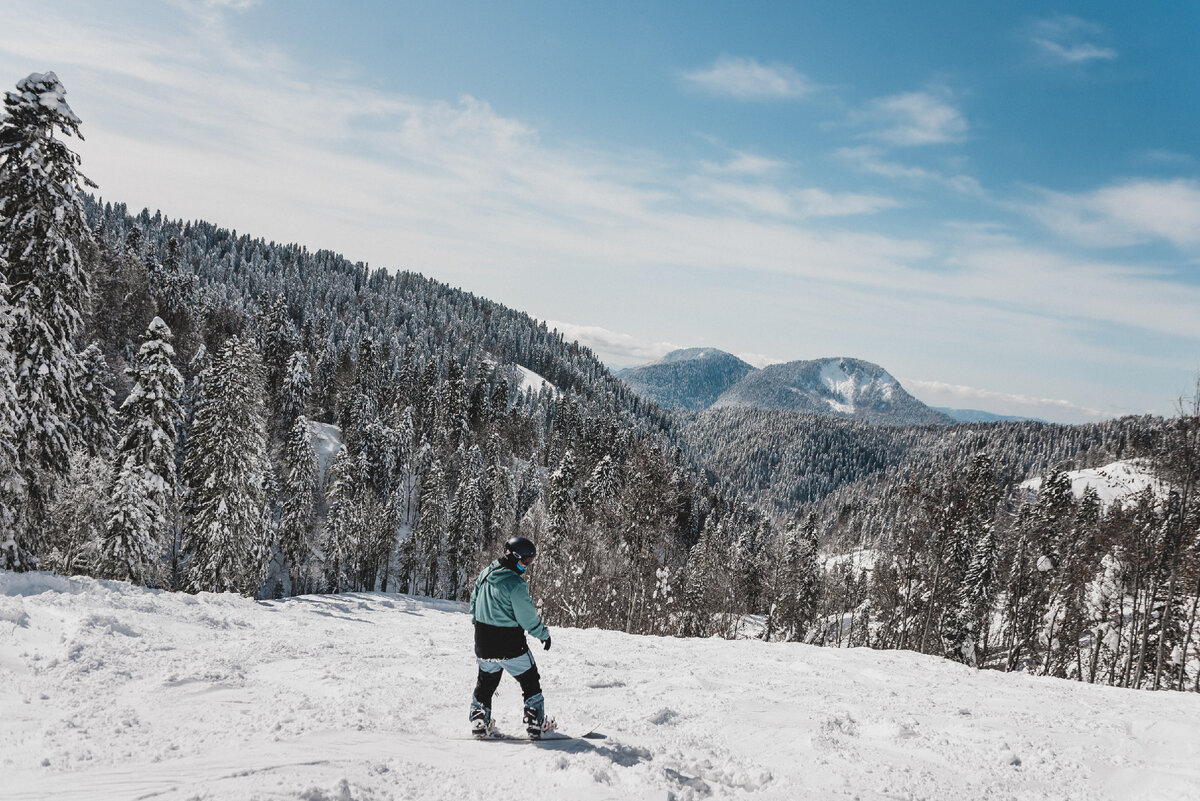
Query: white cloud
x: 1069, y: 40
x: 745, y: 164
x: 1128, y: 213
x: 916, y: 118
x: 870, y: 159
x: 747, y: 79
x: 957, y: 396
x: 758, y: 360
x: 613, y: 348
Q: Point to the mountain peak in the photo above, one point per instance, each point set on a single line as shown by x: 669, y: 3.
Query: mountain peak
x: 835, y: 387
x: 691, y: 378
x: 692, y: 354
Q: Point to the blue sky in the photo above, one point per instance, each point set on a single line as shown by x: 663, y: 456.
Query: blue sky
x: 1000, y: 205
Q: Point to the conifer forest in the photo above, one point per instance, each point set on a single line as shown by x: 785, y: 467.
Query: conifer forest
x: 195, y: 409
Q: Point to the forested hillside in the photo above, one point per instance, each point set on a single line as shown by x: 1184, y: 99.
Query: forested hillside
x: 161, y: 383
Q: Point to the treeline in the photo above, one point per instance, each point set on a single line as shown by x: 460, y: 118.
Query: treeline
x: 788, y: 460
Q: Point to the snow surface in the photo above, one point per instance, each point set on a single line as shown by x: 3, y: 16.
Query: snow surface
x: 1113, y: 482
x: 845, y: 386
x: 861, y: 559
x: 326, y: 440
x: 841, y: 385
x: 531, y: 380
x: 115, y: 692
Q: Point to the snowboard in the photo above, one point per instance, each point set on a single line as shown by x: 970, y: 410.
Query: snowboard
x: 554, y: 735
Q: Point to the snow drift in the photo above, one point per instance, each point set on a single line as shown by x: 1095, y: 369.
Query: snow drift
x: 115, y: 692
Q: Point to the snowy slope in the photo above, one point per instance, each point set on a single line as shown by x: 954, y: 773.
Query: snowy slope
x: 529, y: 380
x: 690, y: 379
x: 838, y: 387
x: 1112, y: 482
x: 112, y: 692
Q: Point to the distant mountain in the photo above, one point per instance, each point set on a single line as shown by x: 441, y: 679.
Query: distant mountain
x: 704, y: 378
x: 837, y: 387
x: 977, y: 416
x: 687, y: 379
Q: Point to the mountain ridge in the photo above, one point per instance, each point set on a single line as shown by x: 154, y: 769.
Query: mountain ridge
x: 843, y: 387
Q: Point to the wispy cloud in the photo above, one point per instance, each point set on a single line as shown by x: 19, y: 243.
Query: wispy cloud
x: 794, y: 203
x: 1168, y: 158
x: 915, y: 118
x: 1128, y: 213
x: 613, y: 347
x: 747, y: 79
x: 745, y: 164
x: 872, y: 160
x: 1065, y: 39
x: 940, y: 393
x: 758, y: 360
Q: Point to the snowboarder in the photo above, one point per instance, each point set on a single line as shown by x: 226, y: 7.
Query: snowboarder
x: 502, y: 612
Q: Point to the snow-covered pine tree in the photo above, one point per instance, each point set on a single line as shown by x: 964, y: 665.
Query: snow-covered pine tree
x: 42, y: 230
x: 279, y: 341
x: 141, y: 513
x: 11, y: 483
x: 344, y: 523
x: 294, y: 393
x: 432, y: 522
x: 603, y: 484
x: 465, y: 533
x: 97, y: 418
x: 973, y: 615
x: 226, y: 473
x: 297, y: 520
x: 501, y: 493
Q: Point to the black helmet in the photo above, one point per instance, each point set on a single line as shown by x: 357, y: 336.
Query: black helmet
x: 521, y: 549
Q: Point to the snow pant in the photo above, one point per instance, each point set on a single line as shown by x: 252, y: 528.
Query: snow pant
x: 524, y: 670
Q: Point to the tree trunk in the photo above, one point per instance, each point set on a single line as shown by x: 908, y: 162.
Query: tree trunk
x: 1187, y: 639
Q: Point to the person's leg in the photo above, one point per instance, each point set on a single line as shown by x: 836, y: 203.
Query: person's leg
x: 531, y: 689
x: 481, y: 701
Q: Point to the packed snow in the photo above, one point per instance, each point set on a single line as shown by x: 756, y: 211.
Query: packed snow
x: 115, y: 692
x: 529, y: 380
x: 1112, y: 482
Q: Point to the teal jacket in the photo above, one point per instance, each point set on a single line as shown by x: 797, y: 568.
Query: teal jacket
x: 501, y: 598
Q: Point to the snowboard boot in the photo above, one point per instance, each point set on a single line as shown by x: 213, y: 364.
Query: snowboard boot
x: 536, y: 722
x: 481, y: 722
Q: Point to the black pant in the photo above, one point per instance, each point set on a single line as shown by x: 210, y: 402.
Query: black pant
x: 486, y: 684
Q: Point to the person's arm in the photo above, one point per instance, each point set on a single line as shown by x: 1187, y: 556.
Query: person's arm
x: 526, y: 613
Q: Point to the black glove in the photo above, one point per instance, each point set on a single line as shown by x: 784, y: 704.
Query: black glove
x: 546, y: 643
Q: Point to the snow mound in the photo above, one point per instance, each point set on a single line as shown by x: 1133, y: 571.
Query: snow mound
x: 1112, y: 482
x: 115, y: 692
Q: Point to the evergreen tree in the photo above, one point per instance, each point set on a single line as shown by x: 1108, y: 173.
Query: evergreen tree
x: 344, y: 524
x: 973, y: 615
x: 97, y: 418
x: 432, y: 523
x: 226, y: 473
x: 295, y: 391
x: 142, y: 510
x: 297, y: 519
x: 42, y: 233
x: 11, y: 483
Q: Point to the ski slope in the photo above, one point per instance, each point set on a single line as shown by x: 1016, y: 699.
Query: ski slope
x: 114, y: 692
